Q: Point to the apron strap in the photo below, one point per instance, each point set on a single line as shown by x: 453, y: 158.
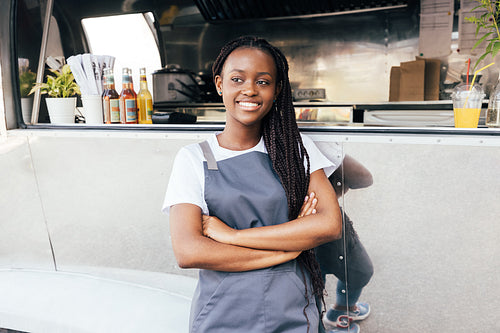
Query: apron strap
x: 209, y: 155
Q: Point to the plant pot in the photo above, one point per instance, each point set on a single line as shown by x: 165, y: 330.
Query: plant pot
x: 27, y: 107
x: 61, y: 110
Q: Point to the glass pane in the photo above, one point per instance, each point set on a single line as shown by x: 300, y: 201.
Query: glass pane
x: 129, y: 39
x: 430, y: 224
x: 331, y: 256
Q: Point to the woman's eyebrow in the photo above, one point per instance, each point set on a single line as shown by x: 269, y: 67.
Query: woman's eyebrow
x: 242, y: 71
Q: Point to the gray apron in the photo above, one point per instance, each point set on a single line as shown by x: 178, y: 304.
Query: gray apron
x: 245, y: 192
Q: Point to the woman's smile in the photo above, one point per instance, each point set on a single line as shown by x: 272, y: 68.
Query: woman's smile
x: 248, y: 106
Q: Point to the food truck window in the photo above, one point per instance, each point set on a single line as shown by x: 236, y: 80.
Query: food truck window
x: 130, y: 40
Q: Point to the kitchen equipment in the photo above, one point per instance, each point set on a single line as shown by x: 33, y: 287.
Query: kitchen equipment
x: 309, y: 94
x: 173, y: 118
x: 208, y: 91
x: 174, y: 84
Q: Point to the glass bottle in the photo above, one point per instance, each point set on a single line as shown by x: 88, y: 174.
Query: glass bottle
x: 128, y: 99
x: 493, y: 111
x: 110, y: 99
x: 144, y: 100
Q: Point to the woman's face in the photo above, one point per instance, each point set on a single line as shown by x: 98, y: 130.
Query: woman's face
x: 248, y: 85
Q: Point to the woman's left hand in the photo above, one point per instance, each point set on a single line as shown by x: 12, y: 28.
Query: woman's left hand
x: 217, y: 230
x: 309, y: 205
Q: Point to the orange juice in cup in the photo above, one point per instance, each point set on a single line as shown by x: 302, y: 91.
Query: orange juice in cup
x: 466, y: 117
x: 467, y: 101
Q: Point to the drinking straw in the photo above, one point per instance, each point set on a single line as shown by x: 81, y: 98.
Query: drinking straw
x: 468, y: 68
x: 475, y: 73
x: 474, y: 79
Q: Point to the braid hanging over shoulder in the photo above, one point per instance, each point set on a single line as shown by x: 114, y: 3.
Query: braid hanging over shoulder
x: 283, y: 142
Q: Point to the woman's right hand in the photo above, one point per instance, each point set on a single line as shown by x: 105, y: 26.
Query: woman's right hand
x: 309, y: 205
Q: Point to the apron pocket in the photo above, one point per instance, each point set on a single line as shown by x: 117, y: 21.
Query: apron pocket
x: 286, y: 301
x: 236, y: 305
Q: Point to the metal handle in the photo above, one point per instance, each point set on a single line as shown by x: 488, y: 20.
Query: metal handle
x: 41, y: 60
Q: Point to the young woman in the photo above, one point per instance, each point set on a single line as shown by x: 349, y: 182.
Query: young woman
x: 247, y: 206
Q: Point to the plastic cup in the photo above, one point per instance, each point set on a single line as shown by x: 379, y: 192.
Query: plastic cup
x: 92, y: 109
x: 467, y: 105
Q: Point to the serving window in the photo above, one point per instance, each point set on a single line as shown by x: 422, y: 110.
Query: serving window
x: 339, y: 75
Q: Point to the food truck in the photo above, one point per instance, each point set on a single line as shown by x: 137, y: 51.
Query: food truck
x: 84, y: 246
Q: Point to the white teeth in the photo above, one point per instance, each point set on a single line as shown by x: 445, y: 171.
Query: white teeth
x: 248, y: 104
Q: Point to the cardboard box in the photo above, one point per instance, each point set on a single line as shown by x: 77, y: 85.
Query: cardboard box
x: 412, y: 81
x: 394, y: 84
x: 432, y: 73
x: 416, y: 80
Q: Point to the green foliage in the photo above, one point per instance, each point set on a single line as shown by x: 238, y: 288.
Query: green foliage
x: 488, y: 23
x: 61, y: 85
x: 26, y: 82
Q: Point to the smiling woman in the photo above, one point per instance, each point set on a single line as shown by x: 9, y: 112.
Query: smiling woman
x: 244, y: 204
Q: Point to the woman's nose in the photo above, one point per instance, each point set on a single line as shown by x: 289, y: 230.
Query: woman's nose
x: 249, y: 89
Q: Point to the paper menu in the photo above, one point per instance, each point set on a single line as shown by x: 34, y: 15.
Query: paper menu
x: 436, y: 26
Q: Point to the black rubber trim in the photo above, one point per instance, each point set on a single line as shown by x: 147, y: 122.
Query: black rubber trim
x: 15, y: 94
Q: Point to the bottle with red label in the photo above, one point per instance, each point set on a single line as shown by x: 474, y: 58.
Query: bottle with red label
x: 128, y: 99
x: 110, y: 99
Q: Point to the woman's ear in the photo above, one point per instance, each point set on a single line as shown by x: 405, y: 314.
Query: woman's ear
x: 218, y: 84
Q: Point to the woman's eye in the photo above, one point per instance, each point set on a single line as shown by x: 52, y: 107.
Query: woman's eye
x: 262, y: 82
x: 236, y: 79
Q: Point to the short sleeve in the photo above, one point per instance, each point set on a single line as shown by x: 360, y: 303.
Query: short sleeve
x: 186, y: 181
x: 332, y: 151
x: 317, y: 158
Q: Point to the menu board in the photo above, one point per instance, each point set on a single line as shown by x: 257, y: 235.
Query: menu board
x: 436, y: 25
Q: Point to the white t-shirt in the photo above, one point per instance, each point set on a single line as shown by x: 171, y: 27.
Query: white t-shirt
x: 187, y: 180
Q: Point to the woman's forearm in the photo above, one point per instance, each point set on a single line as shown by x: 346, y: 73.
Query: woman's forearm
x: 209, y: 254
x: 193, y: 250
x: 296, y: 235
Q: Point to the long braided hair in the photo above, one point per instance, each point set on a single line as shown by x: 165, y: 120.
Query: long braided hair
x: 283, y: 142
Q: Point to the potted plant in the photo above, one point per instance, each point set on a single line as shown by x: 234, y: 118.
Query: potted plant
x: 61, y: 90
x: 487, y: 24
x: 26, y: 81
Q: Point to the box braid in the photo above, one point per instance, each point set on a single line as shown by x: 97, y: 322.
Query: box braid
x: 283, y: 142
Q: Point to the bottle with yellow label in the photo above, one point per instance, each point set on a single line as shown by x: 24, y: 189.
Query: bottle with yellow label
x: 144, y: 100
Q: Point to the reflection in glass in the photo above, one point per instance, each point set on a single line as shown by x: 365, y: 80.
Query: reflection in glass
x: 345, y: 258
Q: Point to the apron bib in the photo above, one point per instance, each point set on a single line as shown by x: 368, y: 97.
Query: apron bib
x: 245, y: 192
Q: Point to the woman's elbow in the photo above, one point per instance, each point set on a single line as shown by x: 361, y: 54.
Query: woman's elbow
x: 336, y: 226
x: 336, y: 232
x: 184, y: 262
x: 333, y: 230
x: 185, y: 257
x: 363, y: 179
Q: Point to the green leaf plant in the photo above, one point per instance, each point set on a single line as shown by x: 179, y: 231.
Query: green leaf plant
x: 61, y: 85
x: 26, y: 81
x: 488, y: 23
